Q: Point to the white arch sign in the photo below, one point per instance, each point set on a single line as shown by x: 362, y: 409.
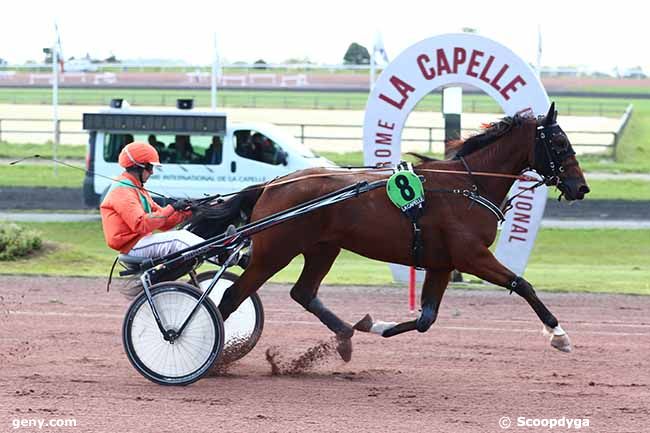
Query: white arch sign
x: 460, y: 59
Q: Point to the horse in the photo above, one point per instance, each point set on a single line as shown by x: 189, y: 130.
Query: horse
x: 456, y: 233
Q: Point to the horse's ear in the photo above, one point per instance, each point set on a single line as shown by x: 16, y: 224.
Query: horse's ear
x: 552, y: 114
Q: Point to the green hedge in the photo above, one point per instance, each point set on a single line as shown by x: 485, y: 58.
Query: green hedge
x: 16, y: 241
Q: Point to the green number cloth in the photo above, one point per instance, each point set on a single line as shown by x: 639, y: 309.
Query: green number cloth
x: 405, y: 190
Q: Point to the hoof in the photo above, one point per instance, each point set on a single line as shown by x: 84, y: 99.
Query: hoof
x: 364, y: 325
x: 559, y: 338
x: 561, y: 343
x: 344, y: 348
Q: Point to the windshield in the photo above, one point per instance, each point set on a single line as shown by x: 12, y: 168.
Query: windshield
x: 280, y: 135
x: 172, y: 148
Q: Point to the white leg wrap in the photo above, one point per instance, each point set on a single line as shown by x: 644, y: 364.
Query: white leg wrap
x: 557, y: 331
x: 379, y: 327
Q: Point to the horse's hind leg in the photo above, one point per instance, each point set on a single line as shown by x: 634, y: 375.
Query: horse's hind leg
x: 318, y: 262
x: 255, y: 274
x: 487, y: 267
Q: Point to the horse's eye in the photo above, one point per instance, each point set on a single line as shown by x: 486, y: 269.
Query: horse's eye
x: 560, y: 142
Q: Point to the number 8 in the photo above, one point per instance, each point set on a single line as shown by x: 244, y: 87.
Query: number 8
x: 404, y: 187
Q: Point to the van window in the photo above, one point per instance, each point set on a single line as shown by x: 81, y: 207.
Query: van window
x: 254, y: 145
x: 174, y: 149
x: 113, y: 145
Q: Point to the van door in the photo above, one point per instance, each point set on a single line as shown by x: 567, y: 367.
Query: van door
x: 254, y: 158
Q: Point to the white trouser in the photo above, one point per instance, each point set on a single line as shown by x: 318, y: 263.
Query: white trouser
x: 160, y: 244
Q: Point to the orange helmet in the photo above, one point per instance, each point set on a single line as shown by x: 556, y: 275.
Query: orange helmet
x: 138, y: 153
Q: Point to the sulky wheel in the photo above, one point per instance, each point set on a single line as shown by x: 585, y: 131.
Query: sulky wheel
x: 244, y: 326
x: 191, y: 354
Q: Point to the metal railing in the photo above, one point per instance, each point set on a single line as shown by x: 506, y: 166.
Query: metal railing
x: 425, y: 137
x: 431, y: 135
x: 625, y: 118
x: 245, y: 98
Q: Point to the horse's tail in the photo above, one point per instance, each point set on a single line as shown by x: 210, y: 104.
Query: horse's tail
x: 247, y: 198
x: 211, y: 220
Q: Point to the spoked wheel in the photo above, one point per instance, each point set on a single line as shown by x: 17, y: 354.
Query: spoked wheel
x: 244, y: 326
x: 188, y: 357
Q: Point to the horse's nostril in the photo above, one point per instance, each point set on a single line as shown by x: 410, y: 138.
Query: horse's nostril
x: 584, y: 189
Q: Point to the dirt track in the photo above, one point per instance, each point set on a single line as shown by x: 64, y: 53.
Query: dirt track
x: 61, y: 357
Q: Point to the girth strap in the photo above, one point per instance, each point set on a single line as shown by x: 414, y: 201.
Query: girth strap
x: 417, y: 246
x: 405, y: 190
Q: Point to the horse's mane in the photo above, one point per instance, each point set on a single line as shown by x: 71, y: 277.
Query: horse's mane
x: 491, y: 133
x: 421, y: 157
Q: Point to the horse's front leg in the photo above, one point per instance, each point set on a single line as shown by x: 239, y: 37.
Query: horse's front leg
x: 485, y: 266
x: 435, y: 283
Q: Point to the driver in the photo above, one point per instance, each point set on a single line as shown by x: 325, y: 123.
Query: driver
x: 130, y: 216
x: 264, y: 151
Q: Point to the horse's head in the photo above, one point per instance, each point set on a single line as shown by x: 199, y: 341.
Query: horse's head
x: 554, y: 158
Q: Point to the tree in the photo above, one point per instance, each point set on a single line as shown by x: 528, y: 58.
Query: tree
x: 48, y: 56
x: 298, y: 61
x: 356, y: 55
x: 111, y: 59
x: 259, y: 64
x: 2, y: 61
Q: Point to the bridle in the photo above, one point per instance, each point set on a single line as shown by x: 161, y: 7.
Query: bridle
x: 550, y: 151
x: 552, y: 148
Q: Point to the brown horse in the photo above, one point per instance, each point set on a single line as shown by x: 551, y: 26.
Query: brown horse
x: 455, y: 235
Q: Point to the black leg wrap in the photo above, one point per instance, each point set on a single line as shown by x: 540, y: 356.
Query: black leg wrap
x: 427, y: 317
x: 400, y: 329
x: 330, y: 319
x: 225, y: 306
x: 521, y: 287
x: 526, y: 291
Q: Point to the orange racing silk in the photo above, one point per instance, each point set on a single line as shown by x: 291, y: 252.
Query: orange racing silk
x: 129, y: 214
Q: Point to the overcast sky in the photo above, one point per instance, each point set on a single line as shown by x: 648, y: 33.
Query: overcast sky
x: 573, y: 32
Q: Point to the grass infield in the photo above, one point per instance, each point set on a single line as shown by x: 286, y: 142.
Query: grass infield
x: 607, y: 261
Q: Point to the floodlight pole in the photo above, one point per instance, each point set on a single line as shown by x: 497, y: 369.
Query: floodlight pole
x: 55, y: 100
x: 215, y: 67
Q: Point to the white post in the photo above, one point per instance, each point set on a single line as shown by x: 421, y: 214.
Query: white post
x: 213, y: 83
x: 372, y: 69
x: 55, y: 99
x: 539, y: 51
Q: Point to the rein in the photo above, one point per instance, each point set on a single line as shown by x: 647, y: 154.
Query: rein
x: 472, y: 195
x: 272, y: 183
x: 521, y: 177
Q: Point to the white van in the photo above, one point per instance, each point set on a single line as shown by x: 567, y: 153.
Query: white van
x: 201, y: 153
x: 80, y: 65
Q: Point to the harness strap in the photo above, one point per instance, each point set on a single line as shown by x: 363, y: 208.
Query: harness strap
x: 417, y: 245
x: 475, y: 185
x: 110, y: 275
x: 508, y: 203
x: 475, y: 198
